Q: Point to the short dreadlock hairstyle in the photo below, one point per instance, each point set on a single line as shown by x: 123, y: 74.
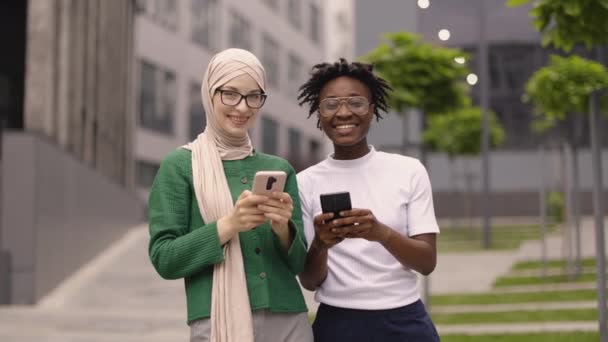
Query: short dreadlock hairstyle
x: 322, y: 73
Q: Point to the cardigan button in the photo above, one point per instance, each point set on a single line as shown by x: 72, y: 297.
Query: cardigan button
x: 263, y: 275
x: 258, y: 250
x: 244, y: 180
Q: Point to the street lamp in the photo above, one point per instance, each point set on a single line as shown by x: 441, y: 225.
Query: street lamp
x: 484, y: 97
x: 598, y: 206
x: 472, y: 79
x: 444, y: 34
x: 424, y: 4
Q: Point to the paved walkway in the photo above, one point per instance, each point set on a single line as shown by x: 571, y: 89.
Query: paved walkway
x: 472, y: 272
x: 119, y: 296
x: 116, y: 297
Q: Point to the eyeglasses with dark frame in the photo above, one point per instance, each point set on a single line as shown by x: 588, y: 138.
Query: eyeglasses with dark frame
x: 358, y: 105
x: 233, y: 98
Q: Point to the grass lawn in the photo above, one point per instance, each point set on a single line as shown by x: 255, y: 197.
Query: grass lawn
x: 509, y: 298
x: 533, y: 264
x: 517, y: 316
x: 546, y: 337
x: 551, y: 279
x: 461, y: 239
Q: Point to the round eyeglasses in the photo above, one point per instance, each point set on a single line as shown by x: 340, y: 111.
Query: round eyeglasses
x: 233, y: 98
x: 358, y: 105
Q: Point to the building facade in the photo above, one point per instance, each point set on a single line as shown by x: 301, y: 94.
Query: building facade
x: 66, y: 131
x: 174, y: 42
x: 515, y: 53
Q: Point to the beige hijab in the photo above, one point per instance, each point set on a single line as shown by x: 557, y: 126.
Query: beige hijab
x: 230, y: 309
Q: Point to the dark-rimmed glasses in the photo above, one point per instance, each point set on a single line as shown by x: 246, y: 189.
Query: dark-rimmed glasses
x: 233, y: 98
x: 358, y: 105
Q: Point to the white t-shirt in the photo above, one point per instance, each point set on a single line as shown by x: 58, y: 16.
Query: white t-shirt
x: 363, y: 274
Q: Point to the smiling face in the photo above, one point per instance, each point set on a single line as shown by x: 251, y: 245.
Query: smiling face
x: 347, y: 130
x: 236, y: 120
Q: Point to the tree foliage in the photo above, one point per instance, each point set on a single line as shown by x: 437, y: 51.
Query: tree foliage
x: 563, y: 87
x: 565, y: 23
x: 459, y: 132
x: 423, y: 76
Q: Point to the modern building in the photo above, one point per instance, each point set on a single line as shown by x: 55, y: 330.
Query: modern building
x: 66, y: 165
x: 174, y: 42
x: 94, y: 93
x: 514, y: 54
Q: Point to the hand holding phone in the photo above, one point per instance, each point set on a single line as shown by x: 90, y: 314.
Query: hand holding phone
x: 267, y: 182
x: 335, y: 203
x: 279, y: 207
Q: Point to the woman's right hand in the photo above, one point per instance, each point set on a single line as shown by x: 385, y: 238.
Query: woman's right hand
x: 324, y: 236
x: 244, y: 216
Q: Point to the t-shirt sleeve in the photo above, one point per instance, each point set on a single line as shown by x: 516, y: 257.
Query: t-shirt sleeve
x: 420, y: 211
x: 307, y: 214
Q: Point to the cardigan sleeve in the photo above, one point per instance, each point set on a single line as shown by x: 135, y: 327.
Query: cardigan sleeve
x: 175, y: 250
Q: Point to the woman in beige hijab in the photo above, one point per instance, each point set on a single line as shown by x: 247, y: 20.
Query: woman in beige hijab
x: 239, y: 253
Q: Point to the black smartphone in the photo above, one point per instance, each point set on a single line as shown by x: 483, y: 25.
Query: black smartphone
x: 335, y: 203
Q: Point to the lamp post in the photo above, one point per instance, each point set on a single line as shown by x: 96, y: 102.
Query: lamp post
x: 484, y: 83
x: 600, y: 248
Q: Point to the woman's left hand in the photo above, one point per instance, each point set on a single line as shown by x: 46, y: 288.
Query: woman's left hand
x: 278, y: 209
x: 361, y: 223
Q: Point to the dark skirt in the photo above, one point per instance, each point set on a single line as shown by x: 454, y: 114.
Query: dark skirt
x: 403, y: 324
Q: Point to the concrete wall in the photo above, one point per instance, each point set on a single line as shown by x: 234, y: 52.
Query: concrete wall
x: 374, y: 18
x: 157, y: 44
x: 78, y: 90
x: 462, y: 17
x: 515, y: 178
x: 57, y: 214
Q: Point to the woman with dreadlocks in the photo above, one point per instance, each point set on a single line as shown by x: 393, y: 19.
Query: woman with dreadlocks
x: 362, y: 264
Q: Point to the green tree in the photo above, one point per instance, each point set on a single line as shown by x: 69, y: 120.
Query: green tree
x: 458, y: 133
x: 563, y: 87
x: 565, y: 23
x: 560, y: 92
x: 423, y: 76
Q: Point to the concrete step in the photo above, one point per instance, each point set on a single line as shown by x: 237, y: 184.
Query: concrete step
x: 102, y: 325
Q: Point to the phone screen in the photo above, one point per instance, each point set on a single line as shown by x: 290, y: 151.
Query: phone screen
x: 335, y: 203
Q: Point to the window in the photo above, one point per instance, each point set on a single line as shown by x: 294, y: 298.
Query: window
x: 293, y: 13
x: 162, y: 11
x: 198, y: 120
x: 294, y: 138
x: 205, y: 23
x: 157, y: 98
x: 240, y: 32
x: 294, y: 74
x: 315, y: 23
x: 146, y: 172
x: 273, y: 4
x: 270, y: 60
x: 270, y: 135
x: 343, y: 29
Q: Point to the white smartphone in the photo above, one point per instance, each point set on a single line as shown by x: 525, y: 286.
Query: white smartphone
x: 266, y: 182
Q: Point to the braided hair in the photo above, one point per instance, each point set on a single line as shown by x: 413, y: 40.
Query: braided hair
x: 322, y: 73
